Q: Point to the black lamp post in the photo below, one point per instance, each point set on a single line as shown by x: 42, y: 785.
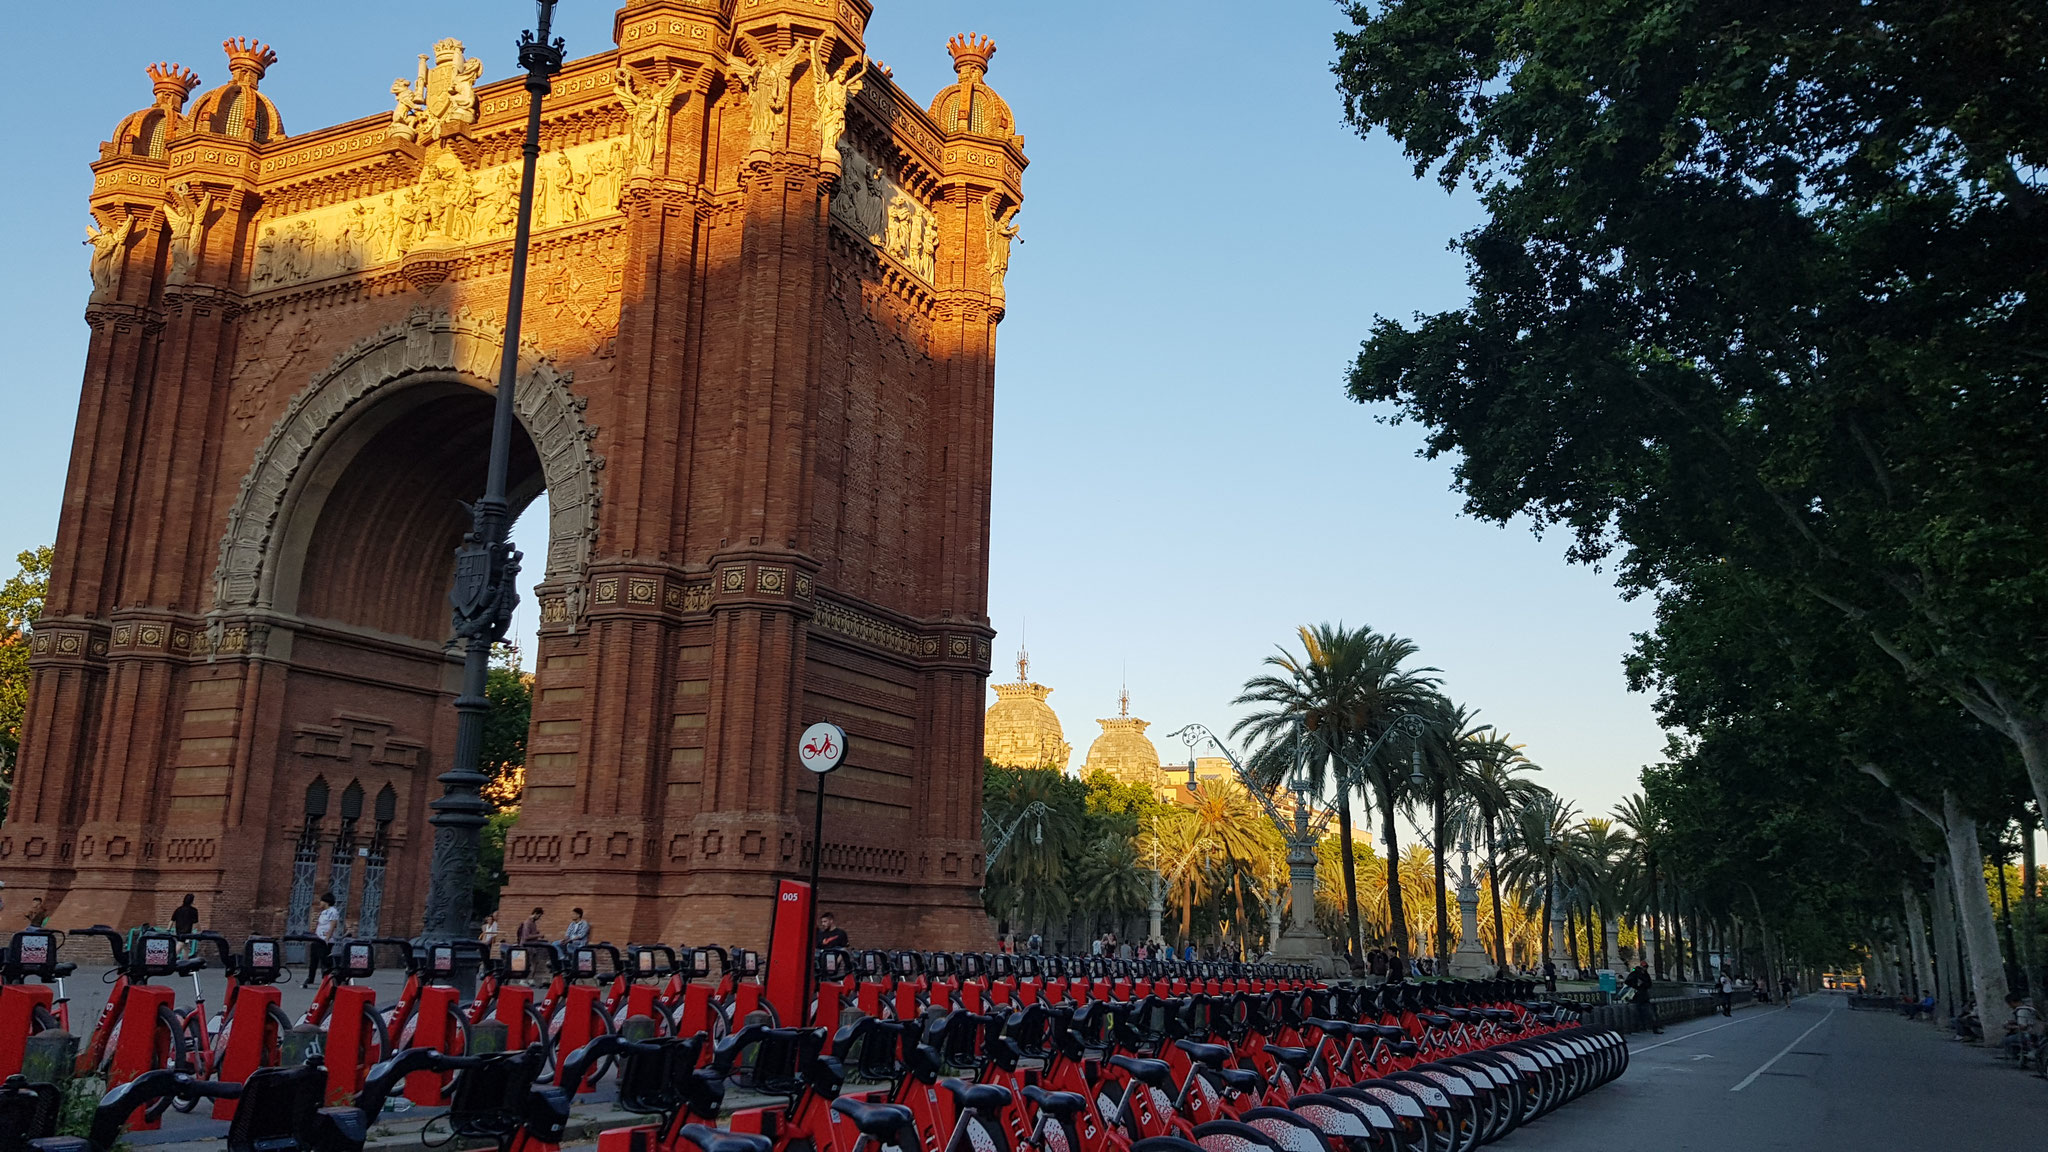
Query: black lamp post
x: 486, y: 565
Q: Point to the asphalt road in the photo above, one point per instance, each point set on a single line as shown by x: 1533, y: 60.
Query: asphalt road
x: 1811, y: 1076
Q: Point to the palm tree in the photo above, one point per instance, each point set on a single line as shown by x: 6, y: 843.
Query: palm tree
x: 1449, y: 752
x: 1538, y: 843
x: 1176, y: 849
x: 1109, y: 880
x: 1239, y: 837
x: 1645, y: 830
x: 1601, y: 846
x: 1494, y: 791
x: 1319, y: 708
x: 1028, y: 881
x: 1385, y: 695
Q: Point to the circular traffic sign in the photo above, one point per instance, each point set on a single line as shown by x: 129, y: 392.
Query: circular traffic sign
x: 821, y: 747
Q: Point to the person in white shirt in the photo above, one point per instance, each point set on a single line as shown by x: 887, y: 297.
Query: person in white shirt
x: 327, y: 928
x: 1727, y: 990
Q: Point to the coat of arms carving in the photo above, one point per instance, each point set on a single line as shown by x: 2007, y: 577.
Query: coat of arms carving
x: 441, y: 100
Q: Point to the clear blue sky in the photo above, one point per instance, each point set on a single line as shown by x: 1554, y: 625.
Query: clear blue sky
x: 1179, y: 480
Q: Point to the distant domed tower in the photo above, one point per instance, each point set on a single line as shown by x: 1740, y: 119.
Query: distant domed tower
x: 1123, y: 750
x: 1022, y: 731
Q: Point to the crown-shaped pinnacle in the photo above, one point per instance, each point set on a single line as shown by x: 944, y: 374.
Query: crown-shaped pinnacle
x: 971, y: 52
x: 248, y: 60
x: 172, y: 83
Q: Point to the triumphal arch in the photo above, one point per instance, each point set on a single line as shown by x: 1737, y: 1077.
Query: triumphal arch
x: 757, y: 388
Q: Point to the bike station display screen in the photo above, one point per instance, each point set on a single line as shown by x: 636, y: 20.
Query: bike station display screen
x: 157, y: 953
x: 586, y: 961
x: 517, y: 963
x: 442, y: 959
x: 34, y: 949
x: 700, y: 961
x: 263, y: 954
x: 358, y: 960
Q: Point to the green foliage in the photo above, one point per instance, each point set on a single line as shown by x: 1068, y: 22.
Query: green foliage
x: 510, y: 691
x: 1758, y: 287
x: 81, y: 1098
x: 1756, y: 316
x: 490, y: 858
x: 21, y: 602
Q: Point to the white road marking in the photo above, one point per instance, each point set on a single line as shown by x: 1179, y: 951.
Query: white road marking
x: 1702, y: 1032
x: 1751, y: 1078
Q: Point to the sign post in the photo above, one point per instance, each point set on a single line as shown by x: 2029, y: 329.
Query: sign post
x: 820, y: 749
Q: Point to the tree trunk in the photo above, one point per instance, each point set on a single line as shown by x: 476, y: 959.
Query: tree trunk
x: 1396, y: 914
x: 2012, y: 952
x: 1500, y: 932
x: 1973, y: 908
x: 1916, y: 935
x: 1349, y: 866
x: 1948, y: 958
x: 2030, y: 907
x: 1443, y: 907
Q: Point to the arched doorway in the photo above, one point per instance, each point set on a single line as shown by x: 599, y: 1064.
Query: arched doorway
x: 342, y: 544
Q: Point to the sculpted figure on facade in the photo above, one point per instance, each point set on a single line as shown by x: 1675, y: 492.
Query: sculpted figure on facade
x: 647, y: 115
x: 767, y: 88
x: 861, y: 200
x: 441, y: 100
x: 829, y: 93
x: 185, y: 220
x: 404, y: 117
x: 1001, y: 231
x: 107, y: 244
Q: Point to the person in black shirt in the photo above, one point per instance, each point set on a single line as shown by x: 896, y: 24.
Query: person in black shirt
x: 830, y: 934
x: 185, y: 921
x: 1638, y: 982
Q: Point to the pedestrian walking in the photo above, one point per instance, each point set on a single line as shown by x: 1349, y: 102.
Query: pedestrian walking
x: 1727, y: 989
x: 37, y: 914
x: 326, y: 928
x: 1639, y: 994
x: 1550, y: 976
x: 185, y: 921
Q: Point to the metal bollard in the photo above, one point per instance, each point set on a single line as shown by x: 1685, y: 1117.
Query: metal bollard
x: 486, y: 1037
x: 49, y: 1058
x: 297, y: 1044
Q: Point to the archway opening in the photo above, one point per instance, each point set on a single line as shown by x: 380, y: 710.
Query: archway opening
x: 380, y: 554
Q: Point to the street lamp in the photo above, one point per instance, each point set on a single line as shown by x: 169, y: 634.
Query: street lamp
x: 486, y: 565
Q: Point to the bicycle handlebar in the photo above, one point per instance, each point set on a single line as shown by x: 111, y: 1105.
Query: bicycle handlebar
x: 115, y: 940
x: 219, y: 942
x: 384, y: 1077
x: 115, y: 1107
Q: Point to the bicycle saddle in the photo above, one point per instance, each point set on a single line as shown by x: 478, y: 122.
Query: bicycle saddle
x: 1063, y: 1105
x: 1294, y: 1058
x: 1388, y: 1031
x: 977, y: 1097
x: 714, y: 1140
x: 1211, y: 1054
x: 1436, y: 1020
x: 882, y: 1121
x: 1155, y: 1073
x: 1332, y: 1027
x: 1243, y: 1080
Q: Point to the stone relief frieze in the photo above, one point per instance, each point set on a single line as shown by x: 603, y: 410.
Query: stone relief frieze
x: 447, y: 206
x: 873, y: 206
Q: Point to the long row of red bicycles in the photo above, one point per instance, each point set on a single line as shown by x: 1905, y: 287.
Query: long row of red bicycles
x: 899, y: 1052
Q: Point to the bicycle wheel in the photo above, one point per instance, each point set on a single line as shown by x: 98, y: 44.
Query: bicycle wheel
x: 45, y: 1020
x: 545, y: 1039
x: 273, y: 1040
x: 173, y: 1050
